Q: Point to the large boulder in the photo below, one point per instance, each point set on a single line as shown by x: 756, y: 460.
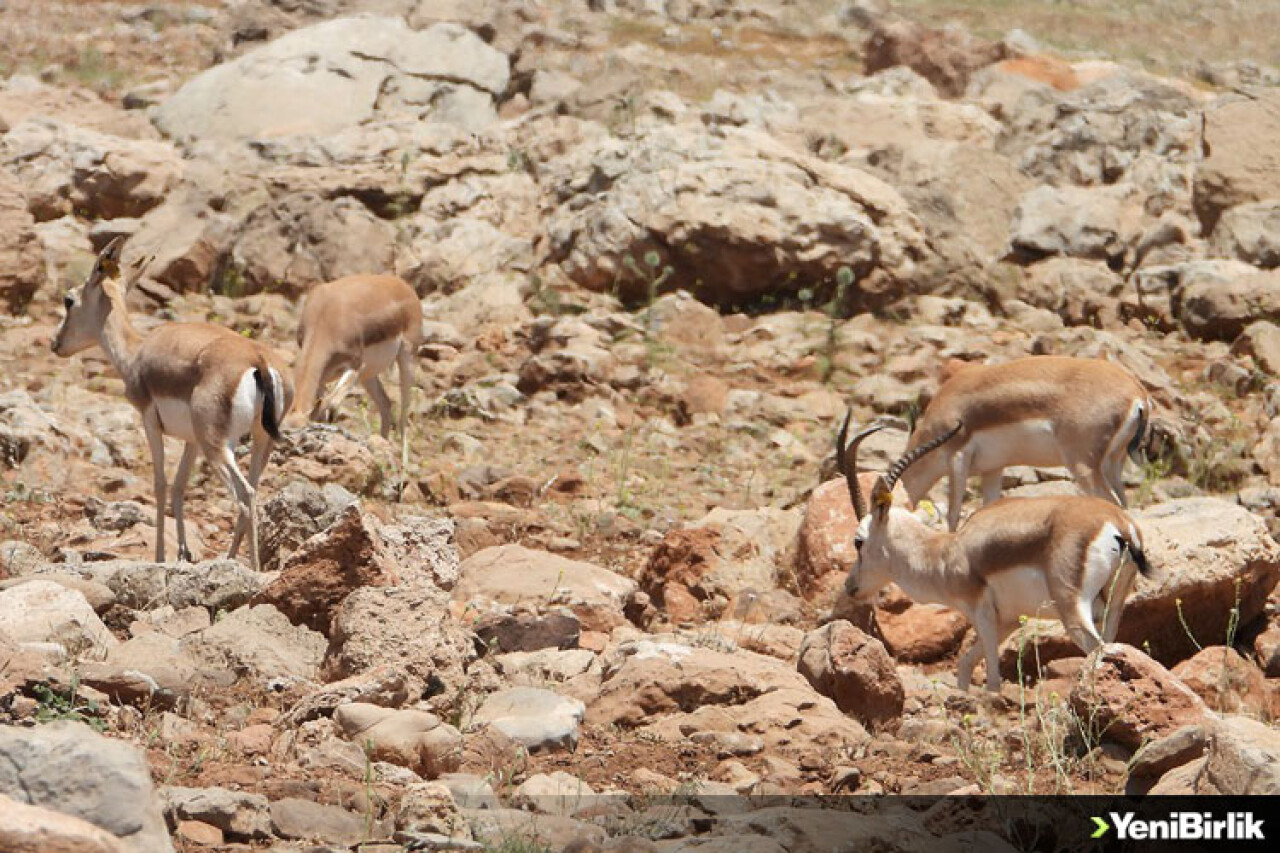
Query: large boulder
x: 508, y: 575
x: 1243, y: 759
x: 1240, y: 164
x: 359, y: 68
x: 1248, y: 232
x: 69, y: 768
x: 1219, y: 308
x: 726, y: 562
x: 1099, y: 223
x: 300, y: 239
x: 1123, y: 696
x: 22, y: 269
x: 293, y: 515
x: 40, y: 611
x: 66, y: 169
x: 185, y: 237
x: 408, y: 624
x: 328, y: 567
x: 945, y: 57
x: 1214, y: 563
x: 1226, y: 681
x: 854, y: 669
x: 737, y: 216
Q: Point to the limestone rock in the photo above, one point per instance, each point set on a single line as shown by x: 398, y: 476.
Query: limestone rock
x: 359, y: 67
x: 69, y: 768
x: 854, y: 669
x: 414, y: 739
x: 537, y: 719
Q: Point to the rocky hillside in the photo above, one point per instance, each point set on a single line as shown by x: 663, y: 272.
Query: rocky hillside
x: 661, y: 247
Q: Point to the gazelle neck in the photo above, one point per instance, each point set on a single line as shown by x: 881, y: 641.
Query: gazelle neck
x: 928, y: 561
x: 118, y: 338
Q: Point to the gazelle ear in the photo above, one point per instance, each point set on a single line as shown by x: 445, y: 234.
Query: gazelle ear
x: 881, y: 498
x: 109, y: 258
x: 136, y: 269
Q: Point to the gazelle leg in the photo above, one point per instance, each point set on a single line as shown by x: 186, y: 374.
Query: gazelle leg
x: 404, y: 366
x: 258, y: 456
x: 179, y: 493
x: 990, y: 633
x: 966, y: 663
x: 225, y: 460
x: 155, y: 442
x: 992, y: 486
x: 959, y: 480
x: 1113, y: 475
x: 373, y: 387
x: 1077, y: 618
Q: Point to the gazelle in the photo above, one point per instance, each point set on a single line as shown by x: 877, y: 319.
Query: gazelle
x: 1015, y: 557
x: 352, y: 329
x: 1082, y: 413
x: 197, y: 382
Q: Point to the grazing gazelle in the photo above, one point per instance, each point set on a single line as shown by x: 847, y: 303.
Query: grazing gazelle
x: 197, y: 382
x: 352, y: 329
x: 1082, y: 413
x: 1015, y: 557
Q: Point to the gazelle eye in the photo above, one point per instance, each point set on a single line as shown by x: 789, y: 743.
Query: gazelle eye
x: 857, y: 542
x: 68, y: 301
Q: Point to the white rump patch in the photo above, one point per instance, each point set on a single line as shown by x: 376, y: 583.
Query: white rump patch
x: 1100, y: 561
x: 244, y: 408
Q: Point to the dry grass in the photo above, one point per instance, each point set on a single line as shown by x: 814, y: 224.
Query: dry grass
x: 1166, y: 36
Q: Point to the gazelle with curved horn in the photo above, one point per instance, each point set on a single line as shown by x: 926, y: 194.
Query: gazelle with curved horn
x: 1083, y: 413
x: 197, y: 382
x: 352, y: 329
x: 1062, y: 556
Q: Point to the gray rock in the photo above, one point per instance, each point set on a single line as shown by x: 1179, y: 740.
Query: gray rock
x: 40, y: 611
x: 358, y: 68
x: 1248, y: 232
x: 536, y: 718
x: 259, y: 642
x: 215, y: 585
x: 294, y: 514
x: 70, y: 768
x: 241, y: 816
x: 306, y: 820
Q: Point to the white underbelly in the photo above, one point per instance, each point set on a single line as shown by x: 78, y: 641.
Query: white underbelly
x: 1023, y: 443
x: 175, y: 417
x: 1021, y: 592
x: 379, y: 357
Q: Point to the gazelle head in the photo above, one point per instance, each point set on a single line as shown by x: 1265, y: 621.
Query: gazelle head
x: 87, y: 306
x: 886, y: 534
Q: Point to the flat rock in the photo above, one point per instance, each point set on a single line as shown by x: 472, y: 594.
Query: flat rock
x: 513, y: 574
x: 535, y: 718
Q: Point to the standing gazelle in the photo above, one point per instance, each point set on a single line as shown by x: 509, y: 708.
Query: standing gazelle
x: 1015, y: 557
x: 201, y: 383
x: 1082, y: 413
x: 352, y: 329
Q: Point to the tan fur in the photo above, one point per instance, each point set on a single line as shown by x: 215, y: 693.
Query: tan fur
x: 1087, y: 402
x: 196, y: 366
x: 340, y: 321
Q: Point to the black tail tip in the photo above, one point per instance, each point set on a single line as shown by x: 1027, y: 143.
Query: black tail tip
x: 270, y: 419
